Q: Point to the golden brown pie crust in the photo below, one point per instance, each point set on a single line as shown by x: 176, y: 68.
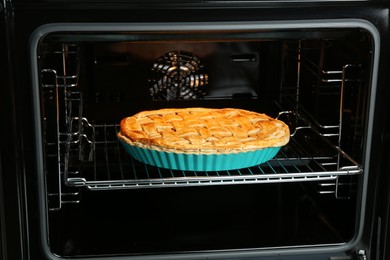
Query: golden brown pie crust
x: 203, y: 130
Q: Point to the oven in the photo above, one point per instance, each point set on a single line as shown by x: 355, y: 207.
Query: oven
x: 76, y: 68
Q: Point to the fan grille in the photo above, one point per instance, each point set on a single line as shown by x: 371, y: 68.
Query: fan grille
x: 177, y: 75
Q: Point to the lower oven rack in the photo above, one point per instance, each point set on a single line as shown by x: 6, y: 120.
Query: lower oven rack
x: 99, y: 162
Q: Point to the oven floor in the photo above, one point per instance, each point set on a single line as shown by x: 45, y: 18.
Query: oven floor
x: 200, y: 218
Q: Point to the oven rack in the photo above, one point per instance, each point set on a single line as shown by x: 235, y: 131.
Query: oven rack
x: 101, y: 163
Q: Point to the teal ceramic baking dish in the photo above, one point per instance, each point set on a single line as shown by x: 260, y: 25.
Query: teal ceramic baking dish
x: 200, y: 162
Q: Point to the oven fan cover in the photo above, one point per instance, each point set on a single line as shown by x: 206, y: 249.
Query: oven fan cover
x: 177, y: 75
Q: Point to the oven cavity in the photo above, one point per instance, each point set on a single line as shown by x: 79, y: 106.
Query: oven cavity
x: 317, y: 85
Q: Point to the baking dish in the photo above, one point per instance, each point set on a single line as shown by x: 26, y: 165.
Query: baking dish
x: 200, y: 162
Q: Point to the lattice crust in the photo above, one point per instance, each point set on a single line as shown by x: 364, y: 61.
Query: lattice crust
x: 203, y: 130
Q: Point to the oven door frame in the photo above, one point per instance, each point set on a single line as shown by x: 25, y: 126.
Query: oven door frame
x: 353, y: 246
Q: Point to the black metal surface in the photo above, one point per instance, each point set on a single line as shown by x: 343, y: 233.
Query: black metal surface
x: 202, y: 218
x: 14, y: 238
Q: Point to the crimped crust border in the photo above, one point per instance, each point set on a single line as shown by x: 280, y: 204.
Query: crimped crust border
x: 126, y: 140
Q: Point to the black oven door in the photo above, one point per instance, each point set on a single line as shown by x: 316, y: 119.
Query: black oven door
x: 12, y: 223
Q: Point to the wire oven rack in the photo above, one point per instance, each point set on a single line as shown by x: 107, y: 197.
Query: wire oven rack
x: 100, y: 163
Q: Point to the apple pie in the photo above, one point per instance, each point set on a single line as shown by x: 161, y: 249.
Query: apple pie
x: 203, y: 130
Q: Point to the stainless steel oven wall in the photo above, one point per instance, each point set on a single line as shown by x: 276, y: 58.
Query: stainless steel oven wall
x: 319, y: 25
